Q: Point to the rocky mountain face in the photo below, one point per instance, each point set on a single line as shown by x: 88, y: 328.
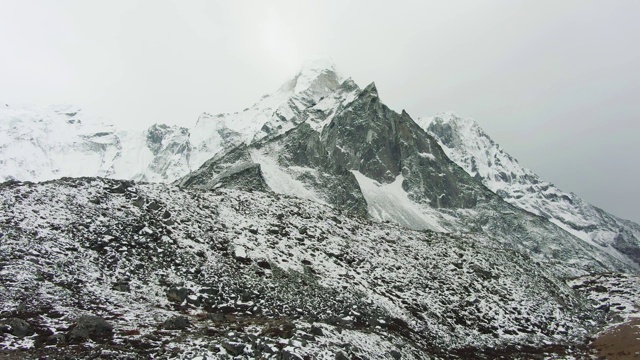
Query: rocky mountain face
x: 366, y: 159
x: 94, y: 267
x: 471, y: 148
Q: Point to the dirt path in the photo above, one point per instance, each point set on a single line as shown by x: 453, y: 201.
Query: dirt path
x: 619, y: 343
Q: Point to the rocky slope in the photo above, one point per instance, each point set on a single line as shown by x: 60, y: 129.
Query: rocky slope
x: 364, y: 158
x: 470, y: 147
x: 104, y: 268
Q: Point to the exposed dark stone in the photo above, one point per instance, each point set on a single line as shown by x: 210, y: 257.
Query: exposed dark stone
x: 122, y: 286
x: 138, y: 202
x: 600, y: 289
x: 283, y: 330
x: 288, y: 355
x: 263, y: 263
x: 56, y: 339
x: 178, y: 295
x: 234, y: 169
x: 395, y: 354
x: 176, y: 323
x: 217, y: 317
x: 340, y: 355
x: 154, y: 205
x: 19, y: 327
x: 245, y: 296
x: 234, y: 348
x: 91, y: 327
x: 316, y: 330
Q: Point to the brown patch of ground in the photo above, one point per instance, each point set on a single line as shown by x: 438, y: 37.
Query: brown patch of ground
x: 619, y: 343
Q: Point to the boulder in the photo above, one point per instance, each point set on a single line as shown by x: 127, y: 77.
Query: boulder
x: 138, y: 202
x: 176, y: 323
x: 153, y: 205
x: 19, y: 327
x: 91, y: 327
x: 233, y: 348
x: 316, y: 330
x: 178, y: 295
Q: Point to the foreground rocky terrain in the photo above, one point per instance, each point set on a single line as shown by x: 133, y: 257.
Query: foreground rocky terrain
x: 93, y: 267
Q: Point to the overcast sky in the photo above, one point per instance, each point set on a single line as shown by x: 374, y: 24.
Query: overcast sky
x: 556, y: 83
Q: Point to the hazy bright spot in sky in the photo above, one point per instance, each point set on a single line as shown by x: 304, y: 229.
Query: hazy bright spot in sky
x: 277, y: 40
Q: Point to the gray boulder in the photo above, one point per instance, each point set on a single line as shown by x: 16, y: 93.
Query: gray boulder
x: 91, y: 327
x: 19, y: 327
x: 176, y: 323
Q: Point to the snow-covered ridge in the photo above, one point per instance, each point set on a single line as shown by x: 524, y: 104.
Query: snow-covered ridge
x: 471, y: 148
x: 44, y: 143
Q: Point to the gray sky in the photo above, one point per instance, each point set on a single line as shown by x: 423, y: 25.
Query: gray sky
x: 557, y: 83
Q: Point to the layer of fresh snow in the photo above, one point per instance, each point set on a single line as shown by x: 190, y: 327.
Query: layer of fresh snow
x: 273, y: 113
x: 389, y: 202
x: 43, y: 143
x: 280, y: 180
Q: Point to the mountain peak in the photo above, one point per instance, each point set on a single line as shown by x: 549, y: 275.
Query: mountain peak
x: 371, y: 89
x: 349, y: 84
x: 315, y: 74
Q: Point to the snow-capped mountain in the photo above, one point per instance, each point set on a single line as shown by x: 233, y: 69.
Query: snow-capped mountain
x: 325, y: 139
x: 44, y: 143
x: 47, y: 143
x: 366, y: 159
x: 273, y: 114
x: 470, y: 147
